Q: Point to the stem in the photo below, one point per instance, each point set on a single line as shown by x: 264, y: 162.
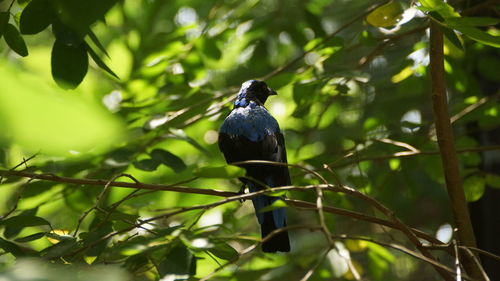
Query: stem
x: 449, y: 159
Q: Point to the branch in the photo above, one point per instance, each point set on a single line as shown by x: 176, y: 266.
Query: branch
x: 99, y: 182
x: 407, y: 153
x: 449, y: 159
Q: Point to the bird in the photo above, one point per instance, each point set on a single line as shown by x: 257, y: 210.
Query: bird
x: 250, y: 132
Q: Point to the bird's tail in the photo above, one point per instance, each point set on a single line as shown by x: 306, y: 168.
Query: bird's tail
x: 279, y: 241
x: 270, y: 221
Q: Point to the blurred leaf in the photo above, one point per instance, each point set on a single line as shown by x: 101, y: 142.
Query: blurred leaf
x: 453, y: 37
x: 81, y: 14
x: 36, y: 16
x: 60, y: 249
x: 276, y: 205
x: 492, y: 180
x: 52, y: 120
x: 10, y: 247
x: 4, y: 20
x: 474, y: 188
x: 35, y: 188
x: 168, y: 159
x: 146, y: 165
x: 69, y: 64
x: 472, y: 21
x: 224, y: 251
x: 224, y: 172
x: 480, y: 36
x: 24, y: 221
x: 15, y: 41
x: 31, y: 237
x: 177, y: 262
x: 386, y: 15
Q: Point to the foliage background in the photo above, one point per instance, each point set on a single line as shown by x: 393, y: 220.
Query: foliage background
x: 353, y: 99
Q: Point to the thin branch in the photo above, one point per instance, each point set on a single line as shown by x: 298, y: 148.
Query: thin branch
x: 310, y: 272
x: 405, y: 250
x: 359, y: 216
x: 404, y: 154
x: 101, y: 182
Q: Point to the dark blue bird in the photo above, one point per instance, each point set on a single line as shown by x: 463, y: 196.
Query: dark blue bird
x: 251, y: 133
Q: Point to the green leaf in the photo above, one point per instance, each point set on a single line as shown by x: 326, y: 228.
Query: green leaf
x: 480, y: 36
x: 474, y: 188
x: 52, y: 121
x: 31, y: 237
x: 168, y: 159
x: 24, y: 221
x: 15, y: 40
x: 146, y: 165
x: 471, y: 21
x: 36, y: 16
x: 4, y: 20
x: 386, y: 15
x: 60, y: 249
x: 276, y: 205
x: 10, y: 247
x: 98, y: 43
x: 69, y: 64
x: 453, y: 37
x: 95, y: 57
x: 35, y: 188
x: 224, y: 172
x: 224, y: 251
x: 492, y: 180
x: 177, y: 262
x: 81, y: 14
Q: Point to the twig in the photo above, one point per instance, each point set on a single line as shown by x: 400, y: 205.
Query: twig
x: 98, y: 201
x: 407, y: 251
x: 310, y: 272
x: 403, y: 154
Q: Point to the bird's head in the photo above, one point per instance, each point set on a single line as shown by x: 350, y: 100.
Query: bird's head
x: 253, y: 90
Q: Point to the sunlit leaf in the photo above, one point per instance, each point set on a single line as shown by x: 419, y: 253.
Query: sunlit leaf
x: 474, y: 188
x: 386, y: 15
x: 52, y: 120
x: 57, y: 235
x: 276, y: 205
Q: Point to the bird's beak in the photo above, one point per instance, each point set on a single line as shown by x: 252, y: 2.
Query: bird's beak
x: 272, y: 92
